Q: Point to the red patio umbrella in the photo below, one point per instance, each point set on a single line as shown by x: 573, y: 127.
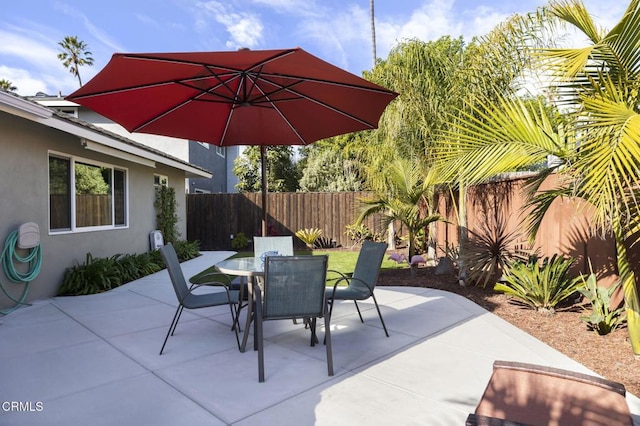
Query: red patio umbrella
x: 244, y: 97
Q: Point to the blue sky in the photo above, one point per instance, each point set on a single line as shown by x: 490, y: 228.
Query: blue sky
x: 337, y: 31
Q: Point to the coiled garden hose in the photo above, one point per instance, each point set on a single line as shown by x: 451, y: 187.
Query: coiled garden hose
x: 9, y: 259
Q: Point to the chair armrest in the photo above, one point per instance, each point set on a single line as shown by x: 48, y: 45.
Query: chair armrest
x: 564, y: 374
x: 478, y: 420
x: 211, y: 279
x: 349, y: 280
x: 340, y: 275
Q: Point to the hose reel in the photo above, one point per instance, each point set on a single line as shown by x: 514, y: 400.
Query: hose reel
x: 25, y: 238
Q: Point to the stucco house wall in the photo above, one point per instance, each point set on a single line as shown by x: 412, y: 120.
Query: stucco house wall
x: 203, y: 155
x: 25, y: 145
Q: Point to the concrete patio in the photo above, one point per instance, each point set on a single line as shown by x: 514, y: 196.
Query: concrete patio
x: 93, y: 360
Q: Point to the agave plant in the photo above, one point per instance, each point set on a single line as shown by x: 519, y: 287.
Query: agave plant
x: 540, y: 285
x: 309, y: 236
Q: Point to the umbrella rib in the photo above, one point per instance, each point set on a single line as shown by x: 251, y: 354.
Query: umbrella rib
x: 301, y: 79
x: 291, y: 126
x: 319, y: 102
x: 233, y: 107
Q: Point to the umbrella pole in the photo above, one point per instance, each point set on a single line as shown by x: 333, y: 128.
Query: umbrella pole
x: 263, y: 164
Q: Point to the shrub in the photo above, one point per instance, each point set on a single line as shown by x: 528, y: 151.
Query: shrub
x: 309, y: 236
x: 324, y: 243
x: 239, y: 241
x: 134, y: 266
x: 166, y: 215
x: 603, y: 320
x: 452, y: 252
x: 95, y: 275
x: 361, y: 233
x: 187, y: 250
x: 487, y: 253
x: 541, y: 286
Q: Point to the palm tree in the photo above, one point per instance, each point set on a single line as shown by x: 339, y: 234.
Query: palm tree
x: 74, y: 55
x: 600, y: 150
x: 435, y: 80
x: 7, y: 85
x: 409, y: 202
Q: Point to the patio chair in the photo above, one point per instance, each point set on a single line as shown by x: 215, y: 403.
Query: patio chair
x: 186, y: 297
x: 294, y: 287
x: 362, y: 282
x: 528, y: 394
x: 283, y: 245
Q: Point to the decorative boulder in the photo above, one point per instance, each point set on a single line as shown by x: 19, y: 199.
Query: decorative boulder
x: 444, y: 267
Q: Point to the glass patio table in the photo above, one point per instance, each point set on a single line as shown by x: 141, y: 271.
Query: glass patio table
x: 251, y: 268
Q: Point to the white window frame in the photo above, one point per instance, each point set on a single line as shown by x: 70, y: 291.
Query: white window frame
x: 73, y: 159
x: 221, y: 151
x: 72, y: 111
x: 162, y: 179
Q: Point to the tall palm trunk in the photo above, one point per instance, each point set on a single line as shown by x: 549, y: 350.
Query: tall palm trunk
x: 373, y: 31
x: 463, y: 231
x: 628, y: 280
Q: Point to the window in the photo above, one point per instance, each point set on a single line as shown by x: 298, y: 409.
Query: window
x: 85, y: 195
x: 221, y: 151
x: 160, y: 180
x: 204, y: 144
x: 71, y: 111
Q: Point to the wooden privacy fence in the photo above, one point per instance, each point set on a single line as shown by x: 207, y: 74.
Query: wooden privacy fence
x: 212, y: 219
x: 566, y: 229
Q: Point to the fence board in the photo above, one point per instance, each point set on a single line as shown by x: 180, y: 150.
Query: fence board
x: 213, y: 218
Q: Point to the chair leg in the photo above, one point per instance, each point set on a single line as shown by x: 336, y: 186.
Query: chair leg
x: 236, y: 324
x: 312, y: 325
x: 260, y: 340
x: 359, y: 314
x: 329, y: 309
x: 172, y: 327
x: 380, y: 314
x: 327, y: 341
x: 179, y: 314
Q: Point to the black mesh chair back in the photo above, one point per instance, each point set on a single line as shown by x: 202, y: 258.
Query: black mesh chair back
x: 293, y: 287
x: 175, y: 271
x: 367, y: 266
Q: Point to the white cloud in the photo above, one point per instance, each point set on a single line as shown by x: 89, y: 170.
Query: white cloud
x: 100, y: 35
x: 354, y: 32
x: 293, y: 7
x: 245, y: 29
x: 27, y: 52
x: 27, y: 46
x: 26, y: 84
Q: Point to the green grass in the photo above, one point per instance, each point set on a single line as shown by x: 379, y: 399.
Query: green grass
x: 341, y: 261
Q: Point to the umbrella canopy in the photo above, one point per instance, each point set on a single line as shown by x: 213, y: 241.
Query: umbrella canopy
x: 244, y: 97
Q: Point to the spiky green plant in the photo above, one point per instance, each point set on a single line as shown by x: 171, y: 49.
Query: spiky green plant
x: 540, y: 285
x: 488, y: 252
x: 309, y: 236
x: 95, y: 275
x: 602, y: 319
